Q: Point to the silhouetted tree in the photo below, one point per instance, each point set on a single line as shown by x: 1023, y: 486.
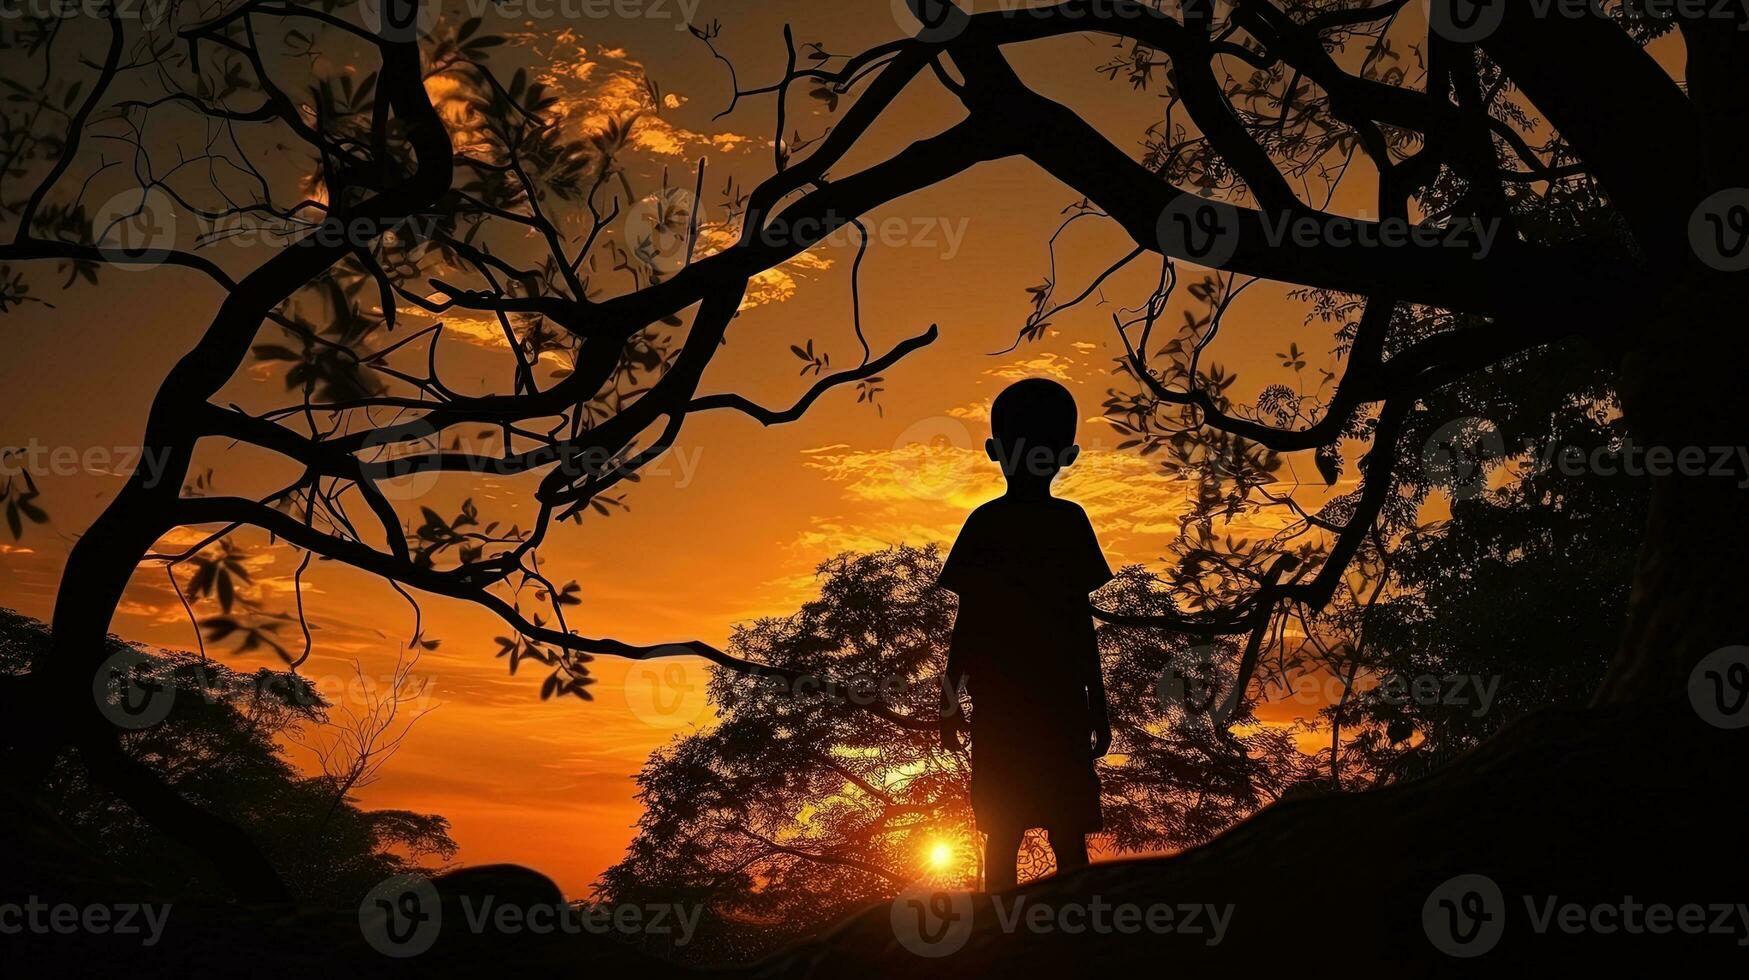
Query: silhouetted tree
x: 1269, y: 105
x: 385, y: 209
x: 1599, y: 220
x: 219, y: 742
x: 1524, y: 588
x: 355, y: 747
x: 786, y: 814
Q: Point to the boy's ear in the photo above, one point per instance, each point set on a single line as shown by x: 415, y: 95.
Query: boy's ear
x: 1070, y: 455
x: 992, y: 450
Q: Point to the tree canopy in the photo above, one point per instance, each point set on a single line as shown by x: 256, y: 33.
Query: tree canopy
x: 222, y: 739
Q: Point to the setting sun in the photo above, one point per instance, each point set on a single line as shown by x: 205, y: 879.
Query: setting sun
x: 941, y: 856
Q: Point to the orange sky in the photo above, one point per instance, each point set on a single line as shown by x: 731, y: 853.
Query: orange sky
x: 732, y: 523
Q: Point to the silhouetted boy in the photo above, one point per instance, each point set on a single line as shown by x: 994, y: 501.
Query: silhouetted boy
x: 1023, y: 643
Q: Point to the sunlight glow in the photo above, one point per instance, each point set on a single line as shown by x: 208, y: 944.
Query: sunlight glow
x: 941, y: 856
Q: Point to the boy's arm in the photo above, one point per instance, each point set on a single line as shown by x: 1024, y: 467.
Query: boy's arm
x: 1098, y: 710
x: 1096, y: 573
x: 953, y: 721
x: 965, y: 565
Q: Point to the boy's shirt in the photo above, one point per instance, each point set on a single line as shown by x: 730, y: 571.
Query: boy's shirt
x: 1023, y: 570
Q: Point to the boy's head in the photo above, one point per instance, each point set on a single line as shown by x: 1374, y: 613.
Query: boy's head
x: 1032, y: 429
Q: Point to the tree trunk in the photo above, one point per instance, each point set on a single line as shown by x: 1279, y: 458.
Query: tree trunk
x: 62, y: 690
x: 1683, y: 393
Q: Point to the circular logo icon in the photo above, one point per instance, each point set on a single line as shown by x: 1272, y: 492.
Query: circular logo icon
x: 930, y: 921
x: 1199, y: 230
x: 1719, y: 687
x: 1188, y: 689
x: 1718, y: 230
x: 399, y: 21
x: 1458, y: 454
x: 1464, y: 21
x: 136, y: 229
x: 934, y: 458
x: 658, y: 229
x: 663, y: 692
x: 128, y: 694
x: 401, y: 916
x: 1464, y: 916
x: 402, y: 466
x: 931, y: 21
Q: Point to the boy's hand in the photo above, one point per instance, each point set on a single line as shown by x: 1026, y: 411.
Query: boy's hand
x: 952, y: 723
x: 1101, y: 738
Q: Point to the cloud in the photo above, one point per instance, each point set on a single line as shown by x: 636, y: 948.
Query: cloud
x: 1041, y: 365
x: 920, y: 491
x: 770, y: 286
x: 827, y: 536
x: 931, y: 465
x: 477, y: 330
x: 593, y: 90
x: 1045, y: 365
x: 591, y: 95
x: 775, y: 285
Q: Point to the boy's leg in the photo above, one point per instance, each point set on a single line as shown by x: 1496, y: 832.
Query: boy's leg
x: 1070, y: 849
x: 1001, y: 858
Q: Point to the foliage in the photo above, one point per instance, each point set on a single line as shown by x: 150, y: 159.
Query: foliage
x: 1524, y: 586
x: 221, y: 745
x: 379, y: 186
